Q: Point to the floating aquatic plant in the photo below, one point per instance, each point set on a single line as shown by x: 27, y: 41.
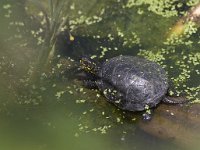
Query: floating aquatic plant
x: 116, y: 27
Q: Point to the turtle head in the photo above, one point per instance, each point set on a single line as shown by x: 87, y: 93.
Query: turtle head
x: 88, y: 65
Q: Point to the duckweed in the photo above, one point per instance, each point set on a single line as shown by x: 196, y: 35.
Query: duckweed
x: 59, y: 94
x: 80, y: 101
x: 178, y: 54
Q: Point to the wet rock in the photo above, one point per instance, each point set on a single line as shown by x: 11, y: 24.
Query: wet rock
x: 180, y: 124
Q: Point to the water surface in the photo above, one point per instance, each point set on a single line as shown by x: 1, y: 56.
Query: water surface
x: 43, y: 107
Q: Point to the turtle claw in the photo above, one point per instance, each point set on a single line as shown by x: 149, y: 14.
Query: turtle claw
x: 146, y: 116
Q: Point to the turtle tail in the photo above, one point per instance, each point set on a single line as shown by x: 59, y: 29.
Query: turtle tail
x: 175, y: 100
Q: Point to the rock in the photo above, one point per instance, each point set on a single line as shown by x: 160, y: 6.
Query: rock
x: 176, y: 123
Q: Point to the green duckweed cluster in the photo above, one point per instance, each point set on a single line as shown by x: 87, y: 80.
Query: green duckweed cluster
x: 190, y: 28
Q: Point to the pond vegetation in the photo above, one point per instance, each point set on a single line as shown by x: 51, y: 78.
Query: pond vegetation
x: 41, y: 42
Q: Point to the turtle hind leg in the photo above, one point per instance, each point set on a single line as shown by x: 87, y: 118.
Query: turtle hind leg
x: 174, y: 100
x: 112, y: 94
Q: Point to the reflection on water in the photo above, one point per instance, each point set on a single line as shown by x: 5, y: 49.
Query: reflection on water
x: 42, y: 105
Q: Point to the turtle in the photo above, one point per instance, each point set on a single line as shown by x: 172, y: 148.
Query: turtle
x: 131, y: 83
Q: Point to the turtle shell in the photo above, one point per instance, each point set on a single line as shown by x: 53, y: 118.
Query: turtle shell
x: 131, y: 82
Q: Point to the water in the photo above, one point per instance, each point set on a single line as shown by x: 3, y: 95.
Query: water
x: 43, y: 107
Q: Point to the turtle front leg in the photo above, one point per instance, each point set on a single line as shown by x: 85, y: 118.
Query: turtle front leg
x: 90, y: 84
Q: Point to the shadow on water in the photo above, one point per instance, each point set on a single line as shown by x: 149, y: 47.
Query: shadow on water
x: 54, y: 111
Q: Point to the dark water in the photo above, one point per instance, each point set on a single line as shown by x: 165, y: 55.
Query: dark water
x: 52, y: 110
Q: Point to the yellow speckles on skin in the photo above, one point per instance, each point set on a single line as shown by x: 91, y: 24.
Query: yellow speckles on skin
x: 89, y: 67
